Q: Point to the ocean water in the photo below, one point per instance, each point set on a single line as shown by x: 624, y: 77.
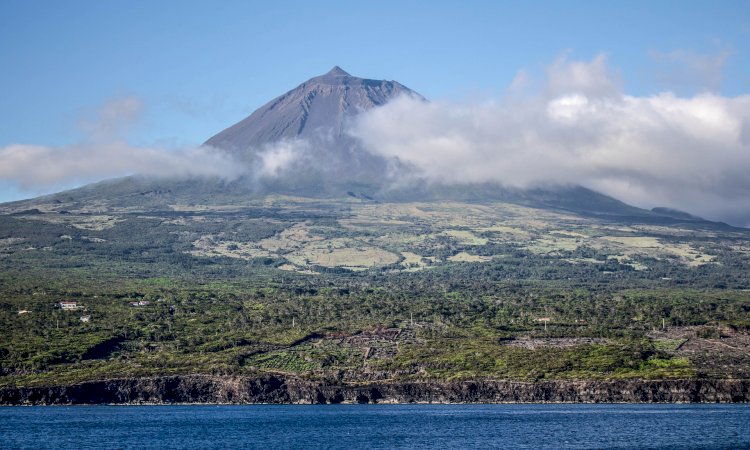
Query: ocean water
x: 377, y: 426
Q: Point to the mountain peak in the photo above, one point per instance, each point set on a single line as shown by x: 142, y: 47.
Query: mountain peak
x: 337, y: 72
x: 320, y: 106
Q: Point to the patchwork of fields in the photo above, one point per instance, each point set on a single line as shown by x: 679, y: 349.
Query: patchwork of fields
x: 416, y: 236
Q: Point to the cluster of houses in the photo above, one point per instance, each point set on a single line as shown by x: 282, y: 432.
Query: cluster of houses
x: 74, y: 305
x: 69, y: 306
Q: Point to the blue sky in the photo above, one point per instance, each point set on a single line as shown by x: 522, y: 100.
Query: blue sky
x: 199, y: 66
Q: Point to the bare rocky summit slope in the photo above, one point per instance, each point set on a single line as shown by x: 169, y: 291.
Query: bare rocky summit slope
x: 313, y: 117
x: 319, y: 106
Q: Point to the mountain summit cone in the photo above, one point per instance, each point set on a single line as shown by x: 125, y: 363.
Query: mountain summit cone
x: 316, y: 109
x: 300, y: 138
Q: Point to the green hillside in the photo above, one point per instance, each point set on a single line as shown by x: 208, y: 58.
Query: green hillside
x: 356, y: 289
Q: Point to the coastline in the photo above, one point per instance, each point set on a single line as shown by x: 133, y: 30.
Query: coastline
x: 278, y: 389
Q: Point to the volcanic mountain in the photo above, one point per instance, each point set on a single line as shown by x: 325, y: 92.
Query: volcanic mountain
x: 318, y: 108
x: 297, y: 144
x: 312, y: 119
x: 309, y: 124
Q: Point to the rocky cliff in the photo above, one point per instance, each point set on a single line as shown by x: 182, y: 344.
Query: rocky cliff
x: 277, y: 389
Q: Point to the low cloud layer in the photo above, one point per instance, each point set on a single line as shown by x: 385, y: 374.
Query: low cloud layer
x: 38, y: 168
x: 103, y: 152
x: 579, y: 127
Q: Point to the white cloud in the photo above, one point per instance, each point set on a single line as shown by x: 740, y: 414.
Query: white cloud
x: 276, y: 158
x: 38, y: 168
x: 104, y: 153
x: 593, y: 79
x: 691, y: 153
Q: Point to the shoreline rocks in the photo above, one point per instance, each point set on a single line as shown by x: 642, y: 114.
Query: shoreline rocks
x: 278, y: 389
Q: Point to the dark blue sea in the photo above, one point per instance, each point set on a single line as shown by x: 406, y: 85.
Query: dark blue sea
x: 377, y: 426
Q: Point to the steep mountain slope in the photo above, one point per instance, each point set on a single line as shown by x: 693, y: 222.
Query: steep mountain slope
x: 311, y: 119
x: 317, y: 108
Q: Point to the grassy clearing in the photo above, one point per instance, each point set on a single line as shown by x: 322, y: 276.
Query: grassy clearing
x: 466, y: 257
x: 668, y: 344
x: 631, y: 246
x: 553, y: 244
x: 465, y: 237
x: 341, y: 252
x: 212, y: 246
x: 92, y: 223
x: 413, y: 262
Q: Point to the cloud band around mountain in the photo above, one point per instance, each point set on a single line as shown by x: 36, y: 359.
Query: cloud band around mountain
x: 579, y: 127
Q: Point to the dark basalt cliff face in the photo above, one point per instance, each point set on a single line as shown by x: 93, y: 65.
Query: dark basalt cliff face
x: 276, y: 389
